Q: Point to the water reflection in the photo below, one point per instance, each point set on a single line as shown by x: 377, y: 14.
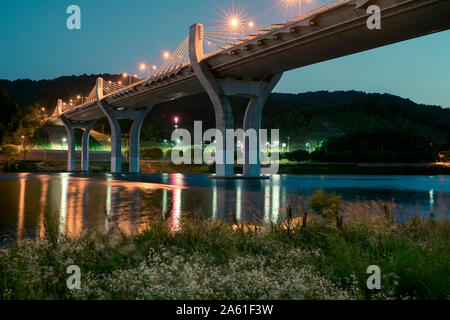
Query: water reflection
x: 21, y: 218
x: 71, y: 205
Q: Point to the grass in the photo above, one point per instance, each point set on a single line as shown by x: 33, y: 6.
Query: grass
x: 304, y: 257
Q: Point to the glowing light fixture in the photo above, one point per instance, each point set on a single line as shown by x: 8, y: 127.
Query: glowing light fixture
x: 290, y: 3
x: 234, y: 22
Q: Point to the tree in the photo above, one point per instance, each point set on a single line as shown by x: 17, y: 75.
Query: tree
x: 10, y: 151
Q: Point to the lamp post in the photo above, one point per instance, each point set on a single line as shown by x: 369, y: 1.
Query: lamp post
x: 143, y: 67
x: 298, y: 2
x: 63, y: 141
x: 125, y: 75
x: 23, y: 146
x: 176, y: 119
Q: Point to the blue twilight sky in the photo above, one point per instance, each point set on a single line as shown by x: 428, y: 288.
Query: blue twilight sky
x: 117, y: 35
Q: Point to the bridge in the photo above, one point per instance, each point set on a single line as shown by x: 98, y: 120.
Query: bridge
x: 249, y: 61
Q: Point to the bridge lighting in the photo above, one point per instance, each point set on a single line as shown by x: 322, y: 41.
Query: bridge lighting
x: 166, y: 54
x: 143, y: 66
x: 125, y: 75
x: 234, y: 22
x: 154, y: 67
x: 120, y: 82
x: 298, y: 3
x: 251, y: 24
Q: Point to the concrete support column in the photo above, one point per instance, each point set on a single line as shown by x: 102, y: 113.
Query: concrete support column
x: 135, y: 141
x: 116, y: 132
x: 70, y: 143
x: 222, y: 107
x: 116, y: 138
x: 113, y: 116
x: 252, y: 120
x: 85, y: 146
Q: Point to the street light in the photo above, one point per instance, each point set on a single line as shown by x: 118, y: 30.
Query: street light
x: 176, y: 119
x: 125, y: 76
x: 143, y: 66
x: 234, y: 22
x: 298, y: 2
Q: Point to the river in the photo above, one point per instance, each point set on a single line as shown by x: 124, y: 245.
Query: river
x: 73, y: 203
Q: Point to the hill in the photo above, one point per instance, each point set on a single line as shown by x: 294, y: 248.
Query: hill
x: 303, y: 119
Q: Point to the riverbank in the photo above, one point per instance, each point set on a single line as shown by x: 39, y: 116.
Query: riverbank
x: 156, y: 167
x: 319, y: 259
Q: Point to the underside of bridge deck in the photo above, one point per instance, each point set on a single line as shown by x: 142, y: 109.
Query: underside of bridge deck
x: 253, y: 67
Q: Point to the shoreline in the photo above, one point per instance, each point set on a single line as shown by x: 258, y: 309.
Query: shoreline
x: 161, y: 167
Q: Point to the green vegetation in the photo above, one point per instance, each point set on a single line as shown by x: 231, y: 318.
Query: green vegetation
x: 10, y: 151
x: 336, y: 127
x: 303, y: 257
x: 152, y: 153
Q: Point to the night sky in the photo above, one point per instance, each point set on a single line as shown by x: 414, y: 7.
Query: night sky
x: 118, y: 35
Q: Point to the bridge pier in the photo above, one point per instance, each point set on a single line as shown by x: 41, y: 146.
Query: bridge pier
x: 135, y: 140
x: 85, y: 145
x: 252, y: 120
x: 218, y: 90
x: 113, y: 116
x: 70, y: 129
x: 222, y: 107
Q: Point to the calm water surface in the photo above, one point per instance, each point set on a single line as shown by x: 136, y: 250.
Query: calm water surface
x: 73, y: 204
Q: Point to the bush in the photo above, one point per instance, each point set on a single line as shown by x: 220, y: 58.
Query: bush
x: 153, y: 153
x: 168, y: 153
x: 9, y: 150
x: 325, y: 204
x: 299, y: 156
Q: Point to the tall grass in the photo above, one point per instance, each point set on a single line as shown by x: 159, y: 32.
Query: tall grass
x: 305, y: 257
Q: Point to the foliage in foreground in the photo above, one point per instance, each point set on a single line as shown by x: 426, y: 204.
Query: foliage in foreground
x: 309, y: 257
